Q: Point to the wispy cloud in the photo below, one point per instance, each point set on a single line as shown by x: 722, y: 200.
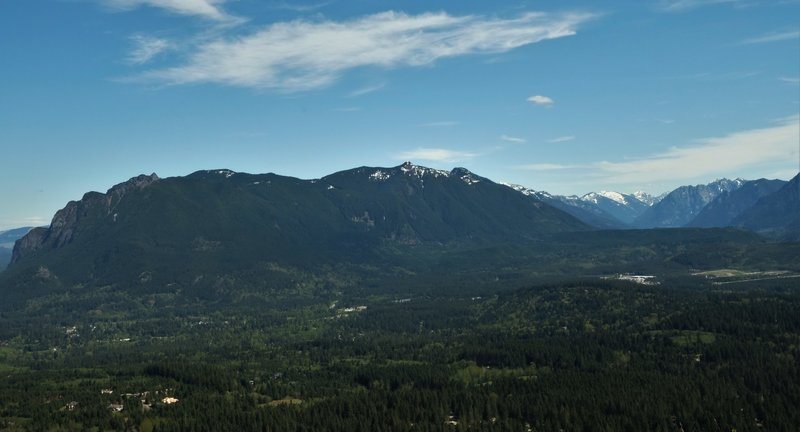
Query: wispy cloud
x: 711, y: 156
x: 685, y: 5
x: 147, y: 47
x: 773, y: 37
x: 203, y: 8
x: 512, y: 139
x: 445, y: 123
x: 790, y: 80
x: 541, y: 100
x: 304, y: 55
x: 34, y: 221
x: 561, y: 139
x: 435, y: 154
x: 297, y: 7
x: 717, y: 76
x: 366, y: 90
x: 348, y: 109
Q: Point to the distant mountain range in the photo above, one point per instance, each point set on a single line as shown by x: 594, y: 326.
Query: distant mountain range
x: 765, y: 206
x: 730, y: 204
x: 350, y: 212
x: 680, y: 206
x: 218, y: 235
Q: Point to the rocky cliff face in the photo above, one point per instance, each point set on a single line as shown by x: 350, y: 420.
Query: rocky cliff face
x: 65, y: 222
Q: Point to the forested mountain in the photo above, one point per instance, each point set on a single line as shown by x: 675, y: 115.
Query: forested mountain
x: 399, y: 298
x: 200, y: 230
x: 730, y: 204
x: 776, y: 214
x: 680, y: 206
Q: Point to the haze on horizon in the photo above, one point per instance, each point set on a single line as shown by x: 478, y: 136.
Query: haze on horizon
x: 568, y: 97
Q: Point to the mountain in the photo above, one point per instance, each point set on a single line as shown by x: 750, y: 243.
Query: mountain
x: 7, y: 239
x: 605, y: 209
x: 648, y: 199
x: 730, y: 204
x: 174, y: 231
x: 585, y: 211
x: 624, y: 207
x: 775, y: 215
x: 681, y: 205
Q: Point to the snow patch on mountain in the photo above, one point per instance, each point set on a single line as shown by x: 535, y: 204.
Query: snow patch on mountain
x: 380, y: 175
x: 420, y: 171
x: 527, y: 191
x: 648, y: 199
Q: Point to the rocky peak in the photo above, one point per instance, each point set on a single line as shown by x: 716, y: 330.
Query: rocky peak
x: 466, y: 175
x: 420, y: 171
x: 63, y: 226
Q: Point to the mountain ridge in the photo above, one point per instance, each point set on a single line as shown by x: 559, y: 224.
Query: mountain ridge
x: 681, y: 205
x: 212, y: 216
x: 728, y: 205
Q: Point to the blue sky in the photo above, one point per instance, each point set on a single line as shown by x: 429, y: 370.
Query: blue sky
x: 563, y: 96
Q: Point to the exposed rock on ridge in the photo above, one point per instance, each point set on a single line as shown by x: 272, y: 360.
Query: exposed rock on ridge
x: 63, y: 226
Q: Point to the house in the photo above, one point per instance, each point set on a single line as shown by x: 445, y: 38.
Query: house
x: 71, y: 406
x: 115, y: 407
x: 169, y: 400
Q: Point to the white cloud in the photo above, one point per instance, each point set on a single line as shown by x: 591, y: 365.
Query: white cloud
x: 561, y: 139
x: 366, y: 90
x: 13, y: 223
x: 435, y: 154
x: 512, y: 139
x: 790, y: 80
x: 773, y: 37
x: 710, y: 157
x: 541, y: 100
x: 717, y: 76
x: 303, y: 55
x: 296, y: 7
x: 684, y: 5
x: 203, y: 8
x: 147, y: 47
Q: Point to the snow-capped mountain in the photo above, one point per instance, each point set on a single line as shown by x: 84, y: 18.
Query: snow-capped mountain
x: 647, y: 198
x: 624, y: 207
x: 586, y: 211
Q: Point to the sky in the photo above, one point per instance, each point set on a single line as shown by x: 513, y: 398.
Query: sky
x: 562, y: 96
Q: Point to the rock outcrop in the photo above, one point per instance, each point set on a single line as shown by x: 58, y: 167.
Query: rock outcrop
x: 63, y: 226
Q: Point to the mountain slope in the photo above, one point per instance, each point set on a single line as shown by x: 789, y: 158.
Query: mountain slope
x: 213, y: 228
x: 585, y: 211
x: 728, y: 205
x: 775, y: 215
x: 624, y: 207
x: 680, y: 206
